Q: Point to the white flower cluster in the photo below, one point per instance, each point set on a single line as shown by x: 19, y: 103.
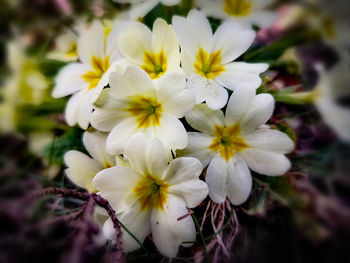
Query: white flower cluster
x: 152, y: 85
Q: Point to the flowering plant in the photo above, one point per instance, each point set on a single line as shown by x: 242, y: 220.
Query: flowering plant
x: 164, y: 127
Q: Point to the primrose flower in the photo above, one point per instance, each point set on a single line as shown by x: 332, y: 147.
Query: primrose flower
x: 97, y: 51
x: 139, y: 8
x: 135, y: 103
x: 155, y: 52
x: 246, y: 11
x: 82, y: 168
x: 151, y: 196
x: 207, y: 58
x: 232, y: 143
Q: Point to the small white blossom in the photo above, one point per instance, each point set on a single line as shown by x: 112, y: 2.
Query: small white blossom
x: 207, y: 58
x: 81, y: 167
x: 232, y: 143
x: 150, y: 196
x: 135, y: 103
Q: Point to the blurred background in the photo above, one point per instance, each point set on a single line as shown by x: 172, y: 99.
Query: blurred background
x: 303, y: 216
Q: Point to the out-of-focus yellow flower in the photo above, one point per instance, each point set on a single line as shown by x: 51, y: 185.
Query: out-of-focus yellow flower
x: 26, y: 85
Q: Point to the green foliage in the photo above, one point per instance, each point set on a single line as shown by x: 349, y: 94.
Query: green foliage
x: 273, y: 51
x: 70, y: 140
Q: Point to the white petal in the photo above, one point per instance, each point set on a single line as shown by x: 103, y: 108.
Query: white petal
x: 112, y: 50
x: 239, y: 181
x: 164, y: 38
x: 95, y: 143
x: 259, y: 112
x: 170, y: 2
x: 116, y: 184
x: 172, y: 133
x: 241, y: 75
x: 270, y: 140
x: 81, y: 168
x: 183, y: 169
x: 216, y: 95
x: 136, y: 152
x: 119, y: 136
x: 69, y: 80
x: 136, y: 221
x: 141, y: 9
x: 197, y: 84
x: 204, y: 119
x: 168, y: 233
x: 216, y: 179
x: 233, y: 39
x: 238, y: 104
x: 171, y: 92
x: 156, y: 158
x: 91, y: 42
x: 79, y: 109
x: 193, y: 31
x: 264, y: 19
x: 265, y: 162
x: 134, y: 41
x: 198, y: 147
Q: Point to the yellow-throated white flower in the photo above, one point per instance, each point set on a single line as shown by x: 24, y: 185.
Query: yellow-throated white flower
x: 139, y: 8
x: 81, y: 167
x: 155, y: 52
x: 232, y: 143
x: 97, y: 51
x: 135, y: 103
x: 246, y: 11
x: 151, y: 196
x: 207, y: 58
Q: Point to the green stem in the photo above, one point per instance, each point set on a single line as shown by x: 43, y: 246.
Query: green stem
x: 201, y: 237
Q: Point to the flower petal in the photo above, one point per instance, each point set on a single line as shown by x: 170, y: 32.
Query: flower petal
x: 81, y: 169
x: 95, y: 143
x: 204, y: 119
x: 156, y: 158
x: 270, y: 140
x: 69, y: 80
x: 265, y: 162
x: 241, y: 75
x: 136, y: 221
x: 168, y: 233
x: 193, y: 32
x: 216, y: 179
x: 119, y: 136
x: 238, y: 104
x: 233, y: 39
x: 116, y: 184
x: 198, y: 147
x: 164, y: 38
x: 258, y: 113
x: 216, y: 95
x: 239, y: 181
x: 79, y: 109
x: 134, y: 41
x: 91, y: 42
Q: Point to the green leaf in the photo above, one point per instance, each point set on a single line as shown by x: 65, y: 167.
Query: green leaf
x: 273, y: 51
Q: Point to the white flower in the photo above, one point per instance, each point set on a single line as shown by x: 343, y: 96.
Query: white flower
x: 139, y: 8
x: 207, y: 58
x: 97, y: 51
x: 247, y: 11
x: 331, y: 87
x: 82, y: 168
x: 155, y: 52
x: 135, y: 103
x: 232, y: 143
x: 150, y: 195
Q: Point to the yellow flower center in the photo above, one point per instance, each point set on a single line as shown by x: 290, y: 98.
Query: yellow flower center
x: 237, y: 7
x: 151, y: 193
x: 147, y: 111
x: 100, y: 66
x: 155, y: 64
x: 227, y: 141
x: 208, y: 66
